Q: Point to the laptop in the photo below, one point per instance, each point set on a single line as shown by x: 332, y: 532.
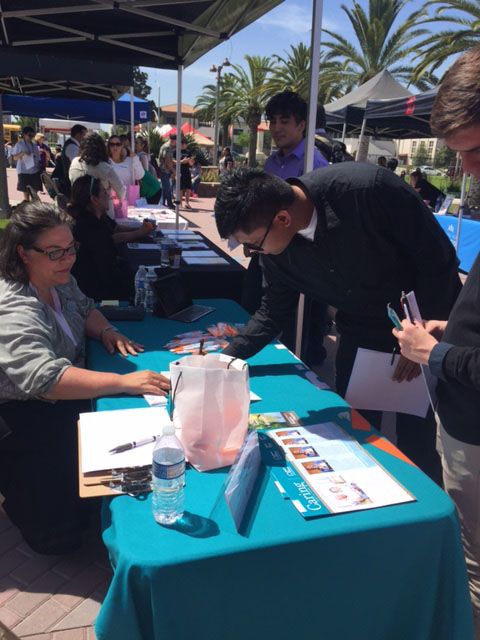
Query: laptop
x: 174, y: 302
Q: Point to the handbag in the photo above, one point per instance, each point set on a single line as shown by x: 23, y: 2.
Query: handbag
x: 211, y: 402
x: 133, y: 193
x: 149, y: 185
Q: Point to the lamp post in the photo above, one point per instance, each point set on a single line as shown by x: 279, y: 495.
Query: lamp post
x: 218, y: 71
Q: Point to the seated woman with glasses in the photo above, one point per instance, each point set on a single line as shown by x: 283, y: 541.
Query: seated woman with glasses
x: 44, y: 318
x: 100, y: 272
x: 93, y: 161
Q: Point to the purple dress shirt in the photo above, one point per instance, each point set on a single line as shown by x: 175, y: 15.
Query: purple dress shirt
x: 291, y: 166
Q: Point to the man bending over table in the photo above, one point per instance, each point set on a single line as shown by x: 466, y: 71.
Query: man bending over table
x: 354, y: 236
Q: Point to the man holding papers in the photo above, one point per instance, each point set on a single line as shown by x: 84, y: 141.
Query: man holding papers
x: 452, y: 350
x: 352, y: 235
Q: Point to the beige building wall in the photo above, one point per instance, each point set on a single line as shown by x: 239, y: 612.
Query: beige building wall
x: 406, y: 149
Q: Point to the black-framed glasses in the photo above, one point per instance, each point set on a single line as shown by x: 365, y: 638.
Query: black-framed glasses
x: 258, y: 248
x: 57, y: 254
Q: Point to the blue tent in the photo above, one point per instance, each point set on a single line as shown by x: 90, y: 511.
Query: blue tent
x: 85, y: 110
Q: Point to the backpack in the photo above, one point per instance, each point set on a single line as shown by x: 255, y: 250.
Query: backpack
x: 332, y: 150
x: 60, y: 173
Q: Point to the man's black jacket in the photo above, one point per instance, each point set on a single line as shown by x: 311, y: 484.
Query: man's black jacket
x: 375, y: 237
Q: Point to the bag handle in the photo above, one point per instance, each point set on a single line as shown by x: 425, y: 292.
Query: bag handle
x: 233, y: 360
x: 172, y: 395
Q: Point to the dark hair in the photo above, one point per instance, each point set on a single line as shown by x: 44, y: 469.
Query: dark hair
x: 457, y: 104
x: 82, y: 191
x: 287, y: 103
x: 392, y: 164
x: 93, y: 149
x: 417, y: 173
x: 76, y: 129
x: 248, y: 198
x: 27, y: 222
x: 26, y: 130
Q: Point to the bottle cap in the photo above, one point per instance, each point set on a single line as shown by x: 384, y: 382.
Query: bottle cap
x: 168, y: 430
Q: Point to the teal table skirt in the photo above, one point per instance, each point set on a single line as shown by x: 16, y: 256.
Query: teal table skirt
x: 395, y: 573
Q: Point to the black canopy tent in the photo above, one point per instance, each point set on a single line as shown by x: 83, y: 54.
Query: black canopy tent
x: 401, y: 117
x: 166, y: 34
x: 347, y: 114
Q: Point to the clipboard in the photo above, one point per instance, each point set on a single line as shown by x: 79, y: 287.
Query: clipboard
x: 96, y: 484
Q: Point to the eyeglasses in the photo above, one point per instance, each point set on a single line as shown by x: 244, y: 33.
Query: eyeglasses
x: 57, y: 254
x: 258, y: 248
x: 114, y: 144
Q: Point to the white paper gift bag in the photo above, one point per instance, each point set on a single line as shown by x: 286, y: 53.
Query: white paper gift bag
x: 211, y: 401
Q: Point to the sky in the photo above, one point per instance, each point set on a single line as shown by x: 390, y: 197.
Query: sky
x: 286, y: 25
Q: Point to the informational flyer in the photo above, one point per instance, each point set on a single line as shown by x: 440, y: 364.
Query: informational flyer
x: 324, y: 464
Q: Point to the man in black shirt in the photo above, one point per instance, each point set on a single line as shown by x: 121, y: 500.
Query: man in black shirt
x: 351, y: 235
x: 452, y: 350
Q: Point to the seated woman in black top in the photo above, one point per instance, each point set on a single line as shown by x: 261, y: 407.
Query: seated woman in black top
x: 100, y: 272
x: 428, y: 192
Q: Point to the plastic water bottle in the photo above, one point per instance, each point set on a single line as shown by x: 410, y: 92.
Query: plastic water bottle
x: 139, y: 282
x: 149, y: 298
x: 168, y: 478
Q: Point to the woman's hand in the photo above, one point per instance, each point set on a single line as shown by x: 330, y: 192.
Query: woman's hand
x: 142, y: 382
x: 146, y: 229
x: 116, y: 341
x: 416, y: 343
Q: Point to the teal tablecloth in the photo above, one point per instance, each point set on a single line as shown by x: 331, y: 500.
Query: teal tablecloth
x: 469, y: 244
x: 386, y: 574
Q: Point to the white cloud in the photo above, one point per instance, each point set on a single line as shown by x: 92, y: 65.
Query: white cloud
x: 294, y: 18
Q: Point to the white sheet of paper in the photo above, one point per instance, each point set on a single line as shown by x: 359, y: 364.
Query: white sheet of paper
x: 205, y: 261
x: 101, y: 431
x: 144, y: 246
x: 192, y: 253
x: 192, y: 245
x: 371, y: 386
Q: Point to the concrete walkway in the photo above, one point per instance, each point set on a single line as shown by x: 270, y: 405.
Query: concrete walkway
x: 58, y: 598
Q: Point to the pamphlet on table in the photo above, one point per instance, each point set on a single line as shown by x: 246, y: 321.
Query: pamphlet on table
x: 324, y: 470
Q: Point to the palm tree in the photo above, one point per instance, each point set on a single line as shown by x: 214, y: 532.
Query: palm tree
x: 379, y: 44
x: 462, y: 33
x: 205, y: 106
x: 244, y: 96
x: 292, y: 73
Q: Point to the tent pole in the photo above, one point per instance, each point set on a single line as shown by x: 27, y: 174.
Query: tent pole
x: 310, y: 137
x: 4, y: 203
x: 114, y: 116
x: 179, y: 146
x: 460, y: 211
x: 344, y: 131
x: 132, y: 120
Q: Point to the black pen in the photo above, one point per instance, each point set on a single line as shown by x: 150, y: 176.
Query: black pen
x: 132, y: 445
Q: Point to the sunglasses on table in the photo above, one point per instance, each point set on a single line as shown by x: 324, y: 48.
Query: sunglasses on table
x: 57, y: 254
x: 258, y: 248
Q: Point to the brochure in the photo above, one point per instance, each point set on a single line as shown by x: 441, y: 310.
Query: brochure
x: 272, y: 420
x: 324, y: 470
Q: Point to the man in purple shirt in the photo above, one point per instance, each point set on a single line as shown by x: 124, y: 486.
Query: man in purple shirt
x: 287, y: 115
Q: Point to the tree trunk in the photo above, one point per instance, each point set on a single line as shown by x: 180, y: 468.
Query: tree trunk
x: 252, y: 143
x: 474, y: 193
x: 362, y: 153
